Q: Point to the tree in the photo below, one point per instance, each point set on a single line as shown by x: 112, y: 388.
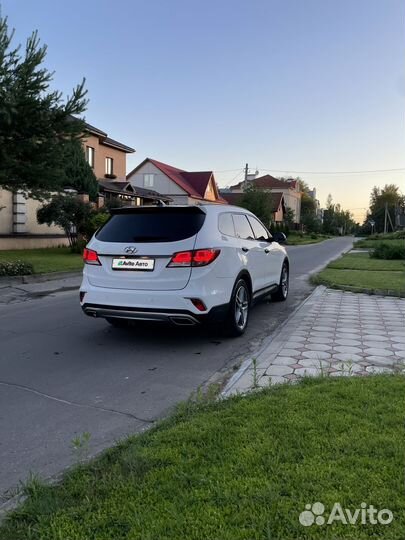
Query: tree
x: 289, y: 217
x: 35, y: 123
x: 390, y: 197
x: 336, y: 220
x: 309, y: 217
x: 259, y: 202
x: 329, y: 226
x: 69, y: 213
x: 78, y: 173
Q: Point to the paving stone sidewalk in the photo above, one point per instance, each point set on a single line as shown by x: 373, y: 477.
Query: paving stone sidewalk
x: 335, y: 333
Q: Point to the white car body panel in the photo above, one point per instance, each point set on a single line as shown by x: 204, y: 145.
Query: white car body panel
x: 170, y: 289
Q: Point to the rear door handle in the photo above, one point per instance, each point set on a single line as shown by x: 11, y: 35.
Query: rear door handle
x: 245, y: 249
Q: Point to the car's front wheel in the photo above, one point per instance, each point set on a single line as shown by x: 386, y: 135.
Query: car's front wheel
x: 282, y: 291
x: 239, y: 307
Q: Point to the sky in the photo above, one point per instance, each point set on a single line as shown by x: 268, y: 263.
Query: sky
x: 292, y: 87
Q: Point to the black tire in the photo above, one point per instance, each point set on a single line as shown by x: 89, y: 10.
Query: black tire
x: 117, y: 322
x: 239, y: 308
x: 282, y: 291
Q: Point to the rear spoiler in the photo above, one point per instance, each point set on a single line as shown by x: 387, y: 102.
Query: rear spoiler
x: 173, y: 209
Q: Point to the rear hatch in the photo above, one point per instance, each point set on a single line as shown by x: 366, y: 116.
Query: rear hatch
x: 136, y: 245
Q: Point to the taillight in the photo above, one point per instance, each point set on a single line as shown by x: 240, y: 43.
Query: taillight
x: 197, y: 257
x: 183, y: 258
x: 91, y: 257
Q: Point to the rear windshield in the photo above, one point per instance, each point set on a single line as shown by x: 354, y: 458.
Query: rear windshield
x: 167, y: 224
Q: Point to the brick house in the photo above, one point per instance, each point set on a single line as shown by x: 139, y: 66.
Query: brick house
x: 19, y: 228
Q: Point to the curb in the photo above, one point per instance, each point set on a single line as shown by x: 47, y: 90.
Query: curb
x: 246, y: 364
x: 361, y: 290
x: 37, y: 278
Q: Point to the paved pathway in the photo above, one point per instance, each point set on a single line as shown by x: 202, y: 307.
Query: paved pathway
x: 334, y: 333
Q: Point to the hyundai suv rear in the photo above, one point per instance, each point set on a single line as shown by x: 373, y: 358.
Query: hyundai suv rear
x: 182, y: 264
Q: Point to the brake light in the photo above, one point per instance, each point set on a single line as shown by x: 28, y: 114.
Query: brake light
x: 91, y: 257
x: 183, y: 258
x: 197, y: 257
x: 202, y: 257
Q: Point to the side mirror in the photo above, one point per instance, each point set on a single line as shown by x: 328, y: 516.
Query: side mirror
x: 280, y: 237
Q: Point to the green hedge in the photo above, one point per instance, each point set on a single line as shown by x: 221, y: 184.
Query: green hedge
x: 16, y: 268
x: 387, y: 251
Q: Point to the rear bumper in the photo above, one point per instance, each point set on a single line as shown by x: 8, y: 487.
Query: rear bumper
x: 177, y: 317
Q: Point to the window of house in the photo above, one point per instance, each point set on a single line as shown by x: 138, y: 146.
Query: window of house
x: 148, y: 180
x: 90, y: 156
x: 109, y: 165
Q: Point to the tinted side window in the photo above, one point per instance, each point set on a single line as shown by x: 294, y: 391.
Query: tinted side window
x: 225, y: 224
x: 242, y: 227
x: 260, y: 231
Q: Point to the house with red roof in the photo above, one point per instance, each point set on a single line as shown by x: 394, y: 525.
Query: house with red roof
x: 182, y: 187
x: 277, y: 204
x: 290, y: 189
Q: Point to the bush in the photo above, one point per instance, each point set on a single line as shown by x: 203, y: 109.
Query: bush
x: 388, y: 252
x: 95, y: 222
x: 398, y: 235
x: 16, y: 268
x: 314, y: 236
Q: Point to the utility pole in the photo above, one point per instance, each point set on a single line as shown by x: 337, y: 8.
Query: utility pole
x: 385, y: 218
x: 246, y: 177
x: 392, y: 226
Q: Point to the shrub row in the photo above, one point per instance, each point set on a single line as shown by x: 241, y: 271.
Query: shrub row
x: 384, y: 250
x: 16, y: 268
x: 398, y: 235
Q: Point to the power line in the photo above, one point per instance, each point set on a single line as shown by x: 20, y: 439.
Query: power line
x: 289, y: 171
x: 228, y: 170
x: 235, y: 177
x: 335, y: 172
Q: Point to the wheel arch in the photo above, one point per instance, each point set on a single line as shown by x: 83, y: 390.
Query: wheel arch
x: 244, y: 274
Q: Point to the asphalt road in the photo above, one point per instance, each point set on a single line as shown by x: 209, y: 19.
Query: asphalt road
x: 63, y: 374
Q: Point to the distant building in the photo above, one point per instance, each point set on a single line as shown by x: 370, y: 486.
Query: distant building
x: 289, y: 188
x: 277, y: 203
x: 182, y: 187
x: 319, y: 210
x: 400, y: 218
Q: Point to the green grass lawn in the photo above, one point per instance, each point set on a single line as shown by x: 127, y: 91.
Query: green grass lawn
x: 362, y: 261
x: 46, y: 259
x: 239, y: 469
x: 372, y: 243
x: 296, y: 240
x: 360, y: 271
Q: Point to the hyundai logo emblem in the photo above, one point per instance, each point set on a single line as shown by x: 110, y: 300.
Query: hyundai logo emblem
x: 130, y: 249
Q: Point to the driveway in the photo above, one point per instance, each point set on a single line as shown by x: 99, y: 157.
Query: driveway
x: 62, y: 374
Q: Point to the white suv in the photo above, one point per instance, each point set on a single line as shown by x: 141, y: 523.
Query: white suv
x: 182, y: 264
